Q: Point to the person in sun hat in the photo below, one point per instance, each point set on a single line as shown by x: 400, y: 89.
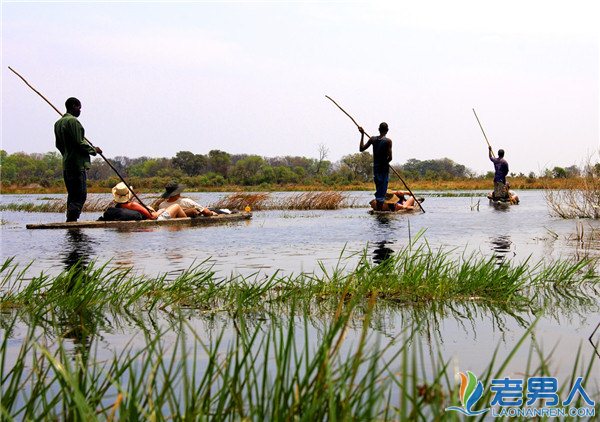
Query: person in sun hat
x: 75, y: 151
x: 382, y: 156
x: 122, y: 197
x: 172, y: 195
x: 396, y: 200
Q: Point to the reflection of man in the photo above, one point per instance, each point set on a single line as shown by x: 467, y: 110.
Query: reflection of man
x: 78, y: 250
x: 76, y: 153
x: 501, y: 170
x: 382, y: 252
x: 382, y: 156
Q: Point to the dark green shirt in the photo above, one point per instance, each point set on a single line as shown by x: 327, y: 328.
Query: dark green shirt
x: 70, y: 142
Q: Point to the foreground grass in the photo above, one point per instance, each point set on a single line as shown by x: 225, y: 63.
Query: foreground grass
x: 274, y: 361
x: 268, y: 371
x: 414, y: 275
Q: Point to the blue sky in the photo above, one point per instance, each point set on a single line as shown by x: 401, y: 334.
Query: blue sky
x: 251, y: 77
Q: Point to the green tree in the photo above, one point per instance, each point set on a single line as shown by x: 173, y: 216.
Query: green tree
x: 559, y: 173
x: 190, y: 163
x: 358, y: 165
x: 249, y: 170
x: 219, y: 162
x: 149, y: 167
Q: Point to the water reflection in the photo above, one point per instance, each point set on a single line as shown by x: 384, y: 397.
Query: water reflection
x: 382, y: 252
x: 501, y: 246
x: 383, y: 229
x: 78, y: 249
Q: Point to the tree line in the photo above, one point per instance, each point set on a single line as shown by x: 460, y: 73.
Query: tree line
x: 220, y: 168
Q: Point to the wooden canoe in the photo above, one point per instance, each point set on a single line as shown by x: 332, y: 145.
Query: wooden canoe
x: 500, y: 203
x: 196, y: 221
x: 374, y: 212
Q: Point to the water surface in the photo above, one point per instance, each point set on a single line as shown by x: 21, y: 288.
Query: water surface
x: 290, y: 242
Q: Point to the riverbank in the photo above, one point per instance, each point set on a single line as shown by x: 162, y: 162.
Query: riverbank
x: 153, y: 186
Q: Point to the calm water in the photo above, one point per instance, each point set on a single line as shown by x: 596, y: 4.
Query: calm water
x: 296, y: 241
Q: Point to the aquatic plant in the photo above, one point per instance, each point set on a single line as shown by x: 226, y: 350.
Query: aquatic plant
x: 267, y: 371
x: 327, y: 200
x: 579, y: 201
x: 415, y: 274
x: 313, y: 201
x: 239, y: 201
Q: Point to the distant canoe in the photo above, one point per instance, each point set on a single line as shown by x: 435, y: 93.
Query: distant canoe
x: 187, y: 221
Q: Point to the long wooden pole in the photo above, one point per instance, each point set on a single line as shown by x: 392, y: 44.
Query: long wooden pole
x: 393, y: 169
x: 482, y: 131
x: 87, y: 140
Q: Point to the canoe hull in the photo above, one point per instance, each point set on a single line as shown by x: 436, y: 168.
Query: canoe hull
x: 399, y: 212
x: 187, y: 221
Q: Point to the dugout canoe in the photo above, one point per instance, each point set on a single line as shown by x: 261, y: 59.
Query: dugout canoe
x: 399, y: 212
x: 416, y: 208
x: 187, y: 221
x: 499, y: 203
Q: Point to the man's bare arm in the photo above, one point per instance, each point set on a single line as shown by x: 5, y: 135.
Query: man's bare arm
x: 362, y: 147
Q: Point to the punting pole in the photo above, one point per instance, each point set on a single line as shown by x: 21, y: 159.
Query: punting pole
x: 393, y: 169
x: 482, y: 131
x: 87, y: 140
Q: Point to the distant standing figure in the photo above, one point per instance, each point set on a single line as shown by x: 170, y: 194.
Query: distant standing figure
x: 501, y: 170
x: 172, y: 195
x: 76, y: 153
x: 382, y: 156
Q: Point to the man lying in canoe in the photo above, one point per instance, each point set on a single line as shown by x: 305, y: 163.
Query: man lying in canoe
x: 172, y: 195
x: 122, y: 197
x: 396, y: 201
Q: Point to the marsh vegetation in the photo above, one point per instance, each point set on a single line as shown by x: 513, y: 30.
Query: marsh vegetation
x: 327, y: 200
x: 277, y: 348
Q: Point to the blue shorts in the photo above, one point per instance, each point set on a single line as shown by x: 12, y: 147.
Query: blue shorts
x: 381, y: 184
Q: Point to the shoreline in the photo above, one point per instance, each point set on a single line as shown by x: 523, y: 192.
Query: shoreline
x: 151, y: 186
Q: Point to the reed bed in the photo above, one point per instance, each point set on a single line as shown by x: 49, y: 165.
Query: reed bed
x: 94, y: 204
x: 581, y: 202
x: 416, y: 274
x: 313, y: 201
x: 327, y: 200
x: 265, y: 364
x: 240, y: 200
x: 271, y: 371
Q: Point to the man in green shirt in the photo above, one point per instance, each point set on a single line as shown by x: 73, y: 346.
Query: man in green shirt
x: 76, y: 153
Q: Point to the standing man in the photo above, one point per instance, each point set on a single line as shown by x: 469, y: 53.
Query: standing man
x: 501, y: 170
x: 76, y: 153
x: 382, y: 156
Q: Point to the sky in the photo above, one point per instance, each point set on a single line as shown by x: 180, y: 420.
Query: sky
x: 155, y: 78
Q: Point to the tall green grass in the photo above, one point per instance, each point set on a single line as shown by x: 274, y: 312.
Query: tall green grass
x: 301, y: 347
x: 416, y: 274
x: 275, y: 370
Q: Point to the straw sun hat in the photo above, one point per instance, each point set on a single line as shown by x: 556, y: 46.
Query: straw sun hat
x: 391, y: 198
x: 122, y: 193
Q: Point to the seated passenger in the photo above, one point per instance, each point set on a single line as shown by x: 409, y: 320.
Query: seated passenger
x: 505, y: 195
x: 122, y: 197
x: 172, y: 195
x: 396, y: 201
